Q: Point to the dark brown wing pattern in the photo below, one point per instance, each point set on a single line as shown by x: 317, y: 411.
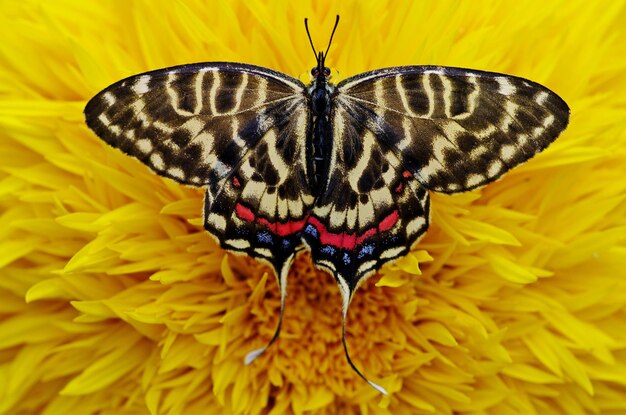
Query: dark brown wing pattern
x: 456, y: 129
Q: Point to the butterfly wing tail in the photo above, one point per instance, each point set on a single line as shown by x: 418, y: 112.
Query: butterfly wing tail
x: 352, y: 365
x: 282, y: 283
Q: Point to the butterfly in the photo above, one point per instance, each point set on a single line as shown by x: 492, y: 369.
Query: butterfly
x: 344, y: 170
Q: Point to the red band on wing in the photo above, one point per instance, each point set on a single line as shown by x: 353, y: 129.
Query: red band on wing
x: 279, y: 228
x: 244, y: 213
x: 346, y: 240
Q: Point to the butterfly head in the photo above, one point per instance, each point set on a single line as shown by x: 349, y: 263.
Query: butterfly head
x: 321, y: 70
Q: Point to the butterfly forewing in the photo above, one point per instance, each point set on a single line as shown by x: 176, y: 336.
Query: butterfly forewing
x: 455, y: 129
x: 192, y: 123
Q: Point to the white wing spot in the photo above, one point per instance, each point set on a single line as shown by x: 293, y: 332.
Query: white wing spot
x: 379, y: 93
x: 507, y: 152
x: 473, y: 180
x: 522, y: 139
x: 239, y: 94
x: 472, y: 99
x: 392, y: 252
x: 109, y: 98
x: 430, y: 93
x: 238, y: 243
x: 447, y: 95
x: 337, y: 218
x: 402, y: 94
x: 176, y: 172
x: 415, y: 225
x: 198, y: 91
x: 548, y: 121
x: 441, y: 144
x: 157, y: 161
x: 505, y: 124
x: 452, y: 129
x: 366, y: 266
x: 486, y: 132
x: 104, y: 119
x: 263, y: 252
x: 541, y: 97
x: 505, y: 86
x: 194, y: 126
x: 407, y: 129
x: 144, y: 145
x: 217, y: 80
x: 217, y: 221
x: 494, y: 168
x: 221, y: 169
x: 141, y: 86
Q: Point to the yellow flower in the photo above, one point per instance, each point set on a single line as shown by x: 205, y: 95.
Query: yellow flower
x: 113, y: 300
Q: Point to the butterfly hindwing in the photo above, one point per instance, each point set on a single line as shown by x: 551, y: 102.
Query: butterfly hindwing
x: 456, y: 129
x: 262, y: 206
x: 371, y: 211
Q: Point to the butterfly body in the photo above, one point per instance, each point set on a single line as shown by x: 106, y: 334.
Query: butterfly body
x: 343, y: 169
x: 320, y: 94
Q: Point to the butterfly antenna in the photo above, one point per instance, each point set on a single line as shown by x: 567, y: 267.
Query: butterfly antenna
x: 306, y: 26
x: 331, y: 37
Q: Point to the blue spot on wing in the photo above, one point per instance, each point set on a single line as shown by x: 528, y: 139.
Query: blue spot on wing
x: 366, y: 250
x: 327, y: 249
x: 310, y: 230
x: 264, y: 237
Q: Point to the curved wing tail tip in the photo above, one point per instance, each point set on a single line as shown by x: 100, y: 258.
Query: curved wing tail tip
x: 378, y: 388
x: 251, y: 357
